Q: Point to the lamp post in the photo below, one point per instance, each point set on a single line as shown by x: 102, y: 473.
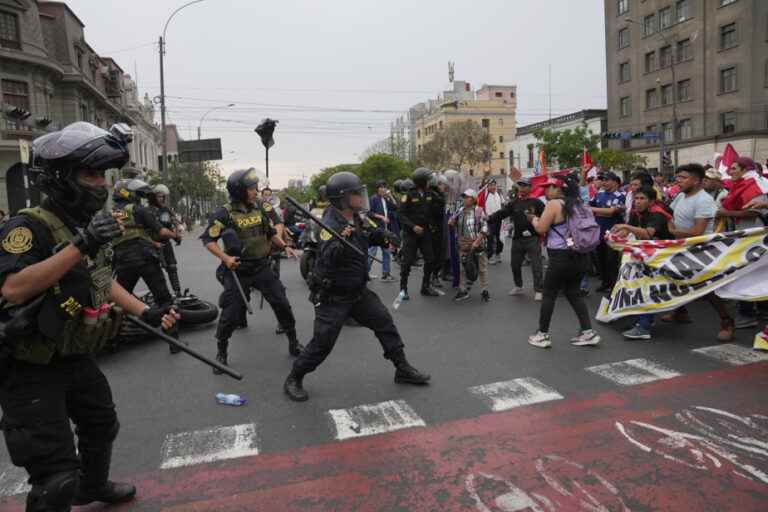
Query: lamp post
x: 266, y: 130
x: 672, y: 62
x: 161, y: 49
x: 199, y: 126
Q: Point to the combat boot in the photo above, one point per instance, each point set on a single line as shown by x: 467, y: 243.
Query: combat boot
x: 294, y: 387
x: 221, y: 355
x: 294, y: 347
x: 94, y: 482
x: 407, y: 374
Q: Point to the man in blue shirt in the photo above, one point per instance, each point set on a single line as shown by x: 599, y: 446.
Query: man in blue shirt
x: 382, y: 211
x: 608, y: 207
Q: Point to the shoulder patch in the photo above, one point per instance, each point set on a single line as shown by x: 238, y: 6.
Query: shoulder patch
x: 325, y: 235
x: 215, y: 230
x: 267, y: 207
x: 18, y: 241
x: 404, y: 199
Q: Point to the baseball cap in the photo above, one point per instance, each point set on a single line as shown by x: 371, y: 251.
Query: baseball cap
x: 470, y: 193
x: 553, y: 181
x: 713, y: 174
x: 525, y: 182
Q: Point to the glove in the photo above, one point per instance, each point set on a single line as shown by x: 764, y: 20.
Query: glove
x: 102, y: 229
x: 154, y: 316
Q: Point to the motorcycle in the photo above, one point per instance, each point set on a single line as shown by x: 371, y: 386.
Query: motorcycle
x: 309, y: 245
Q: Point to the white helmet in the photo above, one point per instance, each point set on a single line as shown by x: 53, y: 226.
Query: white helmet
x: 161, y: 189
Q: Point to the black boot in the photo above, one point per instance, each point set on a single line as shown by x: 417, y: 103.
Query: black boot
x: 294, y: 347
x: 407, y: 374
x: 55, y: 494
x: 94, y: 482
x: 221, y: 355
x: 428, y: 291
x: 294, y: 387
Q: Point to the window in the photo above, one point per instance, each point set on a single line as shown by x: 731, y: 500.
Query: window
x: 501, y: 155
x: 665, y: 56
x: 666, y: 130
x: 79, y: 57
x: 418, y: 134
x: 650, y: 129
x: 625, y: 74
x: 665, y: 18
x: 440, y: 125
x: 623, y: 36
x: 728, y: 36
x: 511, y: 158
x: 650, y: 62
x: 626, y: 143
x: 723, y: 3
x: 15, y: 94
x: 685, y: 129
x: 84, y: 112
x: 625, y: 106
x: 728, y: 122
x: 530, y: 157
x: 501, y: 122
x: 728, y: 79
x: 9, y: 31
x: 651, y: 99
x: 511, y: 95
x: 486, y: 123
x: 501, y: 138
x: 684, y: 90
x: 683, y: 10
x: 666, y: 94
x: 684, y: 51
x: 623, y: 6
x: 649, y: 25
x: 499, y: 95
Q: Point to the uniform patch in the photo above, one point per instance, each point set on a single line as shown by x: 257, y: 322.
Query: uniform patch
x: 215, y: 230
x: 325, y: 236
x: 404, y: 199
x: 18, y: 241
x: 267, y: 207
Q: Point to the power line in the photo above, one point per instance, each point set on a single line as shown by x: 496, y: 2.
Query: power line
x: 147, y: 45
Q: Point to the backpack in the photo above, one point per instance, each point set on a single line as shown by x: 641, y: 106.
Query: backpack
x: 583, y: 231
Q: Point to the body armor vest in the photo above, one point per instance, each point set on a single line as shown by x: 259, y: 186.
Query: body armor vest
x: 253, y: 229
x: 131, y: 230
x: 74, y: 317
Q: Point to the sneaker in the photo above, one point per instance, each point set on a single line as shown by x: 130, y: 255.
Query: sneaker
x: 485, y: 296
x: 516, y: 291
x: 727, y: 330
x: 680, y: 316
x: 586, y: 339
x: 461, y: 296
x: 540, y: 339
x: 538, y: 296
x: 371, y: 277
x: 387, y: 278
x: 637, y: 333
x: 744, y: 321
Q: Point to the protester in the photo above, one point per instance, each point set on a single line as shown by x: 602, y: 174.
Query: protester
x: 694, y: 215
x: 638, y: 180
x: 525, y: 240
x: 608, y: 208
x: 713, y: 184
x: 383, y: 208
x: 471, y: 233
x: 493, y: 203
x: 566, y: 266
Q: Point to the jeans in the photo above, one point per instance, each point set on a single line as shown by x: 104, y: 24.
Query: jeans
x: 495, y: 245
x: 530, y: 246
x: 565, y: 271
x: 385, y: 257
x: 644, y: 322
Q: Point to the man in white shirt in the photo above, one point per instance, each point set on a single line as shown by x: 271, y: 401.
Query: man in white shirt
x: 493, y: 203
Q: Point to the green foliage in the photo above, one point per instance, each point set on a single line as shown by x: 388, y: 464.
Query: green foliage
x: 460, y: 144
x: 197, y: 182
x: 374, y: 168
x: 566, y: 146
x: 302, y: 195
x: 321, y: 178
x: 618, y: 160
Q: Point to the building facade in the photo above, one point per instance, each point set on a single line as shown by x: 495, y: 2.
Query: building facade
x: 51, y: 77
x: 703, y: 63
x: 522, y: 152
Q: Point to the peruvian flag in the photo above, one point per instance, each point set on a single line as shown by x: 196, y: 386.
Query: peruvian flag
x: 586, y: 159
x: 723, y: 162
x: 540, y: 168
x: 742, y: 191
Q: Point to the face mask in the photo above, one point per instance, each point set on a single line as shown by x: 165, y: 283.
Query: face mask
x: 93, y: 198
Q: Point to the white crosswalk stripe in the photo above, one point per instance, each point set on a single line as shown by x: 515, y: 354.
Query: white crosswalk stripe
x: 202, y: 446
x: 502, y: 396
x: 633, y: 371
x: 13, y: 481
x: 368, y: 420
x: 732, y: 354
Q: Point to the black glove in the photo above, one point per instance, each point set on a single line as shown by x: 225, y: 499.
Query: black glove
x: 102, y: 229
x: 154, y: 316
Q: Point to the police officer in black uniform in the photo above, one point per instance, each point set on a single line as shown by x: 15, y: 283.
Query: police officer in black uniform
x: 339, y: 288
x: 416, y: 218
x: 158, y: 201
x: 247, y: 253
x: 57, y: 287
x: 137, y: 252
x: 438, y: 226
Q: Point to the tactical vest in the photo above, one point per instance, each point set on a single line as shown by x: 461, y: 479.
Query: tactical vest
x: 73, y: 318
x: 131, y: 230
x: 252, y: 229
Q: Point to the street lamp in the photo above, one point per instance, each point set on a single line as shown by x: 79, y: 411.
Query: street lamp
x: 266, y: 130
x: 199, y: 126
x: 161, y: 49
x: 672, y: 61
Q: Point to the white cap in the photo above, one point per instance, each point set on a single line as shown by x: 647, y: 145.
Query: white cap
x: 470, y: 193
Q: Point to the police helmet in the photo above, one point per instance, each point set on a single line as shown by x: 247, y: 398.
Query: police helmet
x: 322, y: 194
x: 397, y: 186
x: 240, y: 181
x: 340, y: 186
x: 408, y: 184
x: 421, y: 177
x: 58, y: 156
x: 161, y: 189
x: 131, y: 191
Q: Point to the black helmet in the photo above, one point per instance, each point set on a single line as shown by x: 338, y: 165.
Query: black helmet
x: 57, y: 156
x: 239, y: 182
x: 131, y: 191
x: 322, y: 194
x: 408, y: 184
x: 397, y: 186
x: 421, y: 177
x: 340, y: 186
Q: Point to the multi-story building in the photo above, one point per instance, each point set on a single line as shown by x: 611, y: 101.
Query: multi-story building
x: 50, y: 77
x: 701, y: 62
x: 523, y: 150
x: 493, y: 107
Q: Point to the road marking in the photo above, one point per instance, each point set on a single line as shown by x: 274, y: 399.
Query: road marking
x: 368, y: 420
x: 732, y: 354
x: 501, y: 396
x: 634, y: 371
x: 13, y: 481
x: 202, y: 446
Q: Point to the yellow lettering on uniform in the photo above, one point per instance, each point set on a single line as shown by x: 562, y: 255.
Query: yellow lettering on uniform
x: 246, y: 222
x: 71, y: 306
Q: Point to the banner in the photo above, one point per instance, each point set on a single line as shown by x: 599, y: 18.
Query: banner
x: 662, y: 275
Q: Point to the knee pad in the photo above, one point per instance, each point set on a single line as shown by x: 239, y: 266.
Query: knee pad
x: 55, y: 494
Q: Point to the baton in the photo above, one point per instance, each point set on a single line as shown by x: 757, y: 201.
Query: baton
x: 330, y: 230
x: 242, y: 292
x: 177, y: 344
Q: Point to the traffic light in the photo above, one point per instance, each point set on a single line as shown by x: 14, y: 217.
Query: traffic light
x: 266, y: 130
x: 666, y: 159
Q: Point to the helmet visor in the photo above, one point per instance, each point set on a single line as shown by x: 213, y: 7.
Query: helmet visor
x: 60, y: 144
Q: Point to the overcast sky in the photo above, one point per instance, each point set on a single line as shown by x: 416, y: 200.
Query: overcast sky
x: 309, y: 62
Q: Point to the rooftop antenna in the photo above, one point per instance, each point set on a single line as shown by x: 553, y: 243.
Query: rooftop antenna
x: 451, y: 70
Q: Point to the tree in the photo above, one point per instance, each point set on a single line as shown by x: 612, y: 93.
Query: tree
x: 566, y: 146
x: 618, y: 160
x: 382, y: 167
x: 196, y: 188
x: 319, y: 179
x: 394, y: 145
x: 460, y: 144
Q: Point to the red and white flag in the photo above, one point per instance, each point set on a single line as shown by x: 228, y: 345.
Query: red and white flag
x: 586, y: 159
x: 723, y: 162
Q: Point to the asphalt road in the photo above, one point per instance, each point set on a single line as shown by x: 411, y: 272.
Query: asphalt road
x: 170, y: 418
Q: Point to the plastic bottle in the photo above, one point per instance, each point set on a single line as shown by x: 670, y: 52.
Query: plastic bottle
x: 235, y: 400
x: 398, y: 300
x: 104, y: 312
x: 90, y: 316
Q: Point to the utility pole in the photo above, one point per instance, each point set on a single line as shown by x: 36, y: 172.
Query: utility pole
x: 164, y: 163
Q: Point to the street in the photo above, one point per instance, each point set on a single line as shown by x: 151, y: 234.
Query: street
x: 667, y: 425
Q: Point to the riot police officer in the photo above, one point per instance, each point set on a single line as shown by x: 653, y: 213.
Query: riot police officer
x: 137, y: 252
x: 339, y: 288
x: 439, y: 226
x: 55, y: 272
x: 246, y: 256
x: 416, y: 218
x: 158, y: 200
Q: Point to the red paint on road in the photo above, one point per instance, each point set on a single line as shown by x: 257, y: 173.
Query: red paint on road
x: 565, y: 455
